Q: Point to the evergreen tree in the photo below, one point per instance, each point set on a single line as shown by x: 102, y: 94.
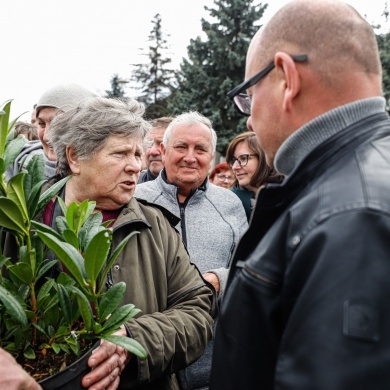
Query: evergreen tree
x: 383, y: 40
x: 154, y: 78
x: 217, y: 65
x: 116, y: 88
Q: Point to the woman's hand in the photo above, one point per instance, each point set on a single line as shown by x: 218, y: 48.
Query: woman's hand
x: 12, y: 375
x: 107, y: 362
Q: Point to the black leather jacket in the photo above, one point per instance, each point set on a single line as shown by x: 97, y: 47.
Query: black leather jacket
x: 307, y: 304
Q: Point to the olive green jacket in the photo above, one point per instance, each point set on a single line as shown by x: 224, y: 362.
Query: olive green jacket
x: 175, y: 324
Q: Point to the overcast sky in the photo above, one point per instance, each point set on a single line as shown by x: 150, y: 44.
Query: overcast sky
x: 48, y: 42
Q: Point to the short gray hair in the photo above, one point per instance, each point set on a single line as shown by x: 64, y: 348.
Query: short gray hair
x: 191, y: 118
x: 86, y: 127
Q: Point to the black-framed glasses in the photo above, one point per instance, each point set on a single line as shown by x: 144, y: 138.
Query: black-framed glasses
x: 241, y: 99
x: 242, y: 159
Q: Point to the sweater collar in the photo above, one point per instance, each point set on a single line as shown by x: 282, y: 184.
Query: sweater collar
x: 303, y: 141
x: 202, y: 187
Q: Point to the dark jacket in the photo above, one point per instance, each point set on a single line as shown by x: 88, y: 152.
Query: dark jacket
x: 307, y: 305
x: 246, y: 199
x: 145, y: 176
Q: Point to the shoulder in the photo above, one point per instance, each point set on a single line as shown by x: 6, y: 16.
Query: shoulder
x: 151, y: 210
x: 222, y: 196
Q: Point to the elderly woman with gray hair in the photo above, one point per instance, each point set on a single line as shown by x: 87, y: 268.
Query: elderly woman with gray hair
x: 100, y: 143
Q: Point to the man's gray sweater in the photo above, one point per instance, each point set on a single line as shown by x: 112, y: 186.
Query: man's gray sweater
x: 212, y: 221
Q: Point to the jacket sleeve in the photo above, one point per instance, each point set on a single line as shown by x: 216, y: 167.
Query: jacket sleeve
x: 177, y: 336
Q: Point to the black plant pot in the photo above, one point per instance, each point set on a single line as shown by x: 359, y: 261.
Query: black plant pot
x: 70, y: 378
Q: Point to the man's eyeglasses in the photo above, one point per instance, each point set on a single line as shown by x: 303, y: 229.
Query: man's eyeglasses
x: 242, y: 159
x: 241, y: 99
x: 224, y: 177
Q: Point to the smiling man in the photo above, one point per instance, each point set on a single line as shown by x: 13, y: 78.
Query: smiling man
x: 212, y: 219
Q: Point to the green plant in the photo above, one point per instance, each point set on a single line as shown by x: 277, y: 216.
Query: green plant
x: 40, y: 311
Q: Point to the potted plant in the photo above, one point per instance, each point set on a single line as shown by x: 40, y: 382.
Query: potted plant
x: 44, y: 317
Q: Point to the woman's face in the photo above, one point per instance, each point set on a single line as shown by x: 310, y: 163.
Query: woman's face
x: 245, y: 174
x: 45, y: 116
x: 109, y: 177
x: 223, y: 179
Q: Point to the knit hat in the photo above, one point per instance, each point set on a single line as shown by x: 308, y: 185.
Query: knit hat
x: 63, y: 97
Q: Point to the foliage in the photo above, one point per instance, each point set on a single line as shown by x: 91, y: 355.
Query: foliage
x: 154, y: 78
x: 37, y: 310
x: 217, y: 65
x: 116, y: 88
x: 383, y: 39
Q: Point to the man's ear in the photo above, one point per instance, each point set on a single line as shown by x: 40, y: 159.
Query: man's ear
x: 286, y: 67
x: 73, y: 160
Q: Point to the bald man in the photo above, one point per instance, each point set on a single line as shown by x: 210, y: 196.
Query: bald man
x: 307, y: 303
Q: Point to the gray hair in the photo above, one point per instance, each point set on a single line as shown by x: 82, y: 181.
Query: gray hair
x: 190, y: 118
x: 86, y: 127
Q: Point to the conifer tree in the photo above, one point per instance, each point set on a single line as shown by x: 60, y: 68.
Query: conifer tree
x: 116, y: 88
x: 217, y: 65
x: 154, y: 79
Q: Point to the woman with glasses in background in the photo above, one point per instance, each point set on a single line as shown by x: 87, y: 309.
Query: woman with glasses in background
x: 222, y: 175
x: 250, y: 169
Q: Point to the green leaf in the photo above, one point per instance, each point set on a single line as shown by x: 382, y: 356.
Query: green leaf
x: 13, y: 149
x: 80, y: 215
x: 29, y: 353
x: 84, y: 307
x: 22, y: 271
x: 70, y: 212
x: 111, y: 299
x: 127, y: 343
x: 14, y: 308
x: 36, y: 172
x: 11, y: 216
x: 56, y: 348
x: 15, y: 192
x: 45, y: 267
x: 4, y: 119
x: 49, y: 193
x: 71, y: 237
x: 96, y: 253
x: 41, y: 227
x: 65, y: 304
x: 44, y: 291
x: 115, y: 254
x: 68, y: 255
x: 118, y: 318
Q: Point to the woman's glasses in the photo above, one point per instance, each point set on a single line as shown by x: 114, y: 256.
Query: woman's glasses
x: 242, y: 159
x: 224, y: 177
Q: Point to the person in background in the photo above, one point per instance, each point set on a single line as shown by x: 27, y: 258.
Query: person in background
x: 28, y: 130
x: 12, y: 375
x: 54, y: 101
x: 307, y: 300
x: 34, y: 116
x: 100, y: 143
x: 153, y: 151
x: 212, y: 219
x: 222, y: 175
x: 247, y: 160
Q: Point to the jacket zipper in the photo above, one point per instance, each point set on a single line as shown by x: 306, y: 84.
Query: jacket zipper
x: 262, y: 278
